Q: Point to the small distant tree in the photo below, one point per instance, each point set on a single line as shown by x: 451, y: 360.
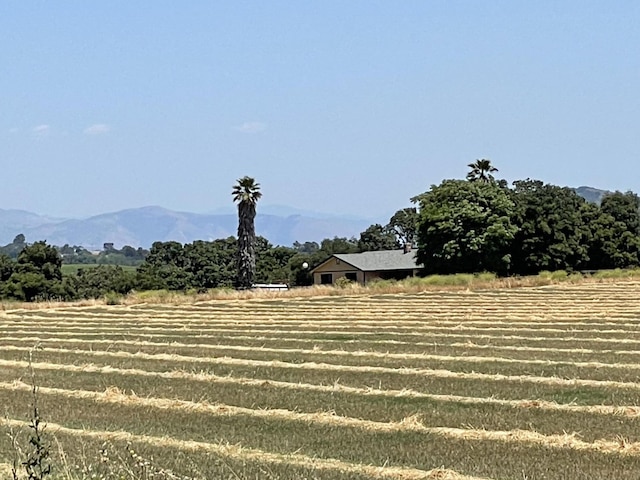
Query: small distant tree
x: 481, y: 170
x: 376, y: 238
x: 404, y: 223
x: 246, y: 194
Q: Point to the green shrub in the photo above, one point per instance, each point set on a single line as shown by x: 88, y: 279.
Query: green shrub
x: 113, y: 298
x: 343, y: 282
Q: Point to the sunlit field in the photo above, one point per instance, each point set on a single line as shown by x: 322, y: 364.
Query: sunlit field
x: 526, y: 383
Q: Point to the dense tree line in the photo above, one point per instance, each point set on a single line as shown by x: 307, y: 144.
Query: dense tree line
x: 34, y: 271
x: 473, y: 225
x: 481, y: 224
x: 126, y: 256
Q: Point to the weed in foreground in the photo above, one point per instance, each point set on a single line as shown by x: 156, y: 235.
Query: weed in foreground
x: 33, y: 460
x: 130, y: 465
x: 36, y: 463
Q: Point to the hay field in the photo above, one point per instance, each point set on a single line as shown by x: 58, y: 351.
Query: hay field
x: 529, y: 383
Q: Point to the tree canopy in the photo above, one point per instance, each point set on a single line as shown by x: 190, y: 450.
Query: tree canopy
x: 465, y: 227
x: 481, y: 170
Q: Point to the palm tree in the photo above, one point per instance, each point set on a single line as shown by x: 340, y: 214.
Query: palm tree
x: 246, y: 193
x: 481, y: 170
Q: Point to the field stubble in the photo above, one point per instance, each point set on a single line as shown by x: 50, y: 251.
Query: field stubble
x: 539, y: 382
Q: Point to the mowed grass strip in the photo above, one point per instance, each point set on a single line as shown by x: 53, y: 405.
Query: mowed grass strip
x: 428, y: 365
x: 371, y: 319
x: 436, y: 401
x: 421, y: 379
x: 463, y: 450
x: 254, y: 455
x: 412, y: 424
x: 444, y: 410
x: 309, y: 327
x: 499, y: 335
x: 397, y: 350
x: 188, y: 336
x: 429, y: 354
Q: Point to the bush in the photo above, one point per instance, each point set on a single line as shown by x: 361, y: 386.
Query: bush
x: 343, y: 282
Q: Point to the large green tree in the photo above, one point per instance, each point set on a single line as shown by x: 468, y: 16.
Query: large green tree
x: 553, y: 231
x: 246, y: 194
x: 465, y: 227
x: 616, y: 232
x: 212, y: 264
x: 165, y: 268
x: 37, y: 275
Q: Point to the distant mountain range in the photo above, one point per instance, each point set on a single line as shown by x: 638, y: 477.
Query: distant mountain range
x: 140, y: 227
x: 591, y: 194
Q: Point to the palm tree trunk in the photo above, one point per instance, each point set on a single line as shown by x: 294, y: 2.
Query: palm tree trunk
x: 246, y: 242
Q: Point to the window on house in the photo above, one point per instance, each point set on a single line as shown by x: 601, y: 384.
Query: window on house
x: 326, y: 278
x: 353, y: 276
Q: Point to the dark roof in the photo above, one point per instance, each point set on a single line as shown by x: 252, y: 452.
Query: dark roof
x: 381, y: 260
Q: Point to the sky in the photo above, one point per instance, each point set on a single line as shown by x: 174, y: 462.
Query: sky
x: 332, y: 106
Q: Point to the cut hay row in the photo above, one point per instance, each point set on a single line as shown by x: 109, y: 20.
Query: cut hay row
x: 295, y: 335
x: 316, y: 350
x: 310, y: 327
x: 230, y: 361
x: 382, y: 324
x: 6, y: 470
x: 114, y: 395
x: 524, y: 348
x: 461, y: 308
x: 318, y: 341
x: 252, y: 455
x: 544, y: 296
x: 451, y: 321
x: 206, y: 377
x: 416, y: 312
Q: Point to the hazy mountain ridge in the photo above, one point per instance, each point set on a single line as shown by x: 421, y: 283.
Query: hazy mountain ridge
x: 590, y: 194
x: 140, y: 227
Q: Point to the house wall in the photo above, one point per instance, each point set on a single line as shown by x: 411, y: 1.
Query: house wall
x: 337, y: 269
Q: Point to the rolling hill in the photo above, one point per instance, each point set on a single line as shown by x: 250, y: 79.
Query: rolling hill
x: 140, y: 227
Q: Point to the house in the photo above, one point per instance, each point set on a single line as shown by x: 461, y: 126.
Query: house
x: 366, y: 266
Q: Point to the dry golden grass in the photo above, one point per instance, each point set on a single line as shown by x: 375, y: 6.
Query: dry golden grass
x: 478, y: 284
x: 252, y: 455
x: 5, y: 470
x: 585, y: 312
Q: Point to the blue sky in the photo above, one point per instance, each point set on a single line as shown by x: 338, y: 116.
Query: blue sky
x: 347, y: 107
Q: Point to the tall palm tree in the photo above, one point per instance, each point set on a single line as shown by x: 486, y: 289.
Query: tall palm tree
x: 246, y: 194
x: 481, y: 170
